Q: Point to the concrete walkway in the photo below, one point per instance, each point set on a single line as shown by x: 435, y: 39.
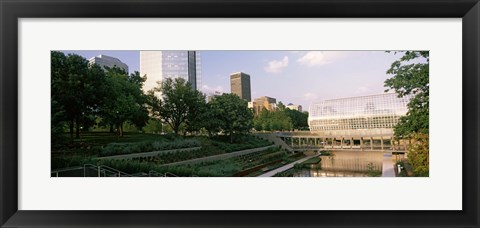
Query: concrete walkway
x: 285, y: 167
x: 388, y: 169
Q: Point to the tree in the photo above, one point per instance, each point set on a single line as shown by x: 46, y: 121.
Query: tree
x: 181, y: 105
x: 125, y: 100
x: 418, y: 154
x: 261, y: 121
x: 299, y: 119
x: 280, y: 106
x: 197, y: 106
x: 74, y: 88
x: 411, y: 78
x: 272, y: 120
x: 210, y: 120
x: 59, y: 116
x: 233, y: 115
x: 57, y: 124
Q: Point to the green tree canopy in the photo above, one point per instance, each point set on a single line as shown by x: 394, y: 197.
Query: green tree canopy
x: 299, y: 119
x: 232, y: 115
x: 125, y: 100
x: 181, y: 105
x: 280, y: 106
x: 76, y: 90
x: 418, y: 154
x: 272, y: 120
x: 280, y: 119
x: 411, y: 77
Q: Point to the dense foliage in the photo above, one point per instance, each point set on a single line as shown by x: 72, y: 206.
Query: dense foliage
x: 418, y: 154
x: 129, y: 148
x: 181, y: 105
x: 281, y: 119
x: 82, y: 93
x: 272, y: 121
x: 230, y: 114
x: 411, y: 77
x: 218, y: 168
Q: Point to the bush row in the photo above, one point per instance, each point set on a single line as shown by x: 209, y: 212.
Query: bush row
x: 130, y: 148
x: 64, y: 162
x: 171, y: 157
x: 249, y: 143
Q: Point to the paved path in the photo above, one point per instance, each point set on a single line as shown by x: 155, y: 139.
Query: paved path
x: 220, y: 156
x: 387, y: 169
x: 148, y: 154
x: 285, y: 167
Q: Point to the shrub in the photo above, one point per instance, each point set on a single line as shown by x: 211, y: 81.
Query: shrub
x: 129, y: 148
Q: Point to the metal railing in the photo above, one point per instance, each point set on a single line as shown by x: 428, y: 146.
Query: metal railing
x: 90, y: 170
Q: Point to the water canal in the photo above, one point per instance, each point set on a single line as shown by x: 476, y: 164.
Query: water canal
x: 344, y: 164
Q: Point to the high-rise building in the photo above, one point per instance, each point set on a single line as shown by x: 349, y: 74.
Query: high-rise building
x: 268, y: 103
x: 213, y: 96
x: 240, y: 85
x: 159, y: 65
x: 107, y: 61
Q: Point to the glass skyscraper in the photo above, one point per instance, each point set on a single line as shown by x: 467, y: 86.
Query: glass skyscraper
x: 159, y: 65
x: 108, y: 61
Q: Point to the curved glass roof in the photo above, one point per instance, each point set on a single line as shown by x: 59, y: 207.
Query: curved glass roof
x: 364, y: 112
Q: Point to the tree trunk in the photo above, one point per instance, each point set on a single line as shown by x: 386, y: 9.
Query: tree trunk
x: 231, y: 137
x: 77, y: 133
x: 71, y: 129
x: 111, y: 128
x: 120, y: 129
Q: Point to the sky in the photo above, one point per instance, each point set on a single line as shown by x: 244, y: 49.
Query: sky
x: 298, y: 77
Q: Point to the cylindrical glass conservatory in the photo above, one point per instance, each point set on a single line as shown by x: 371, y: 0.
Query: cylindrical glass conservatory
x: 357, y: 115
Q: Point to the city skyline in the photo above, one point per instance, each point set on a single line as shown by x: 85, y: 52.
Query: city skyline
x: 298, y: 77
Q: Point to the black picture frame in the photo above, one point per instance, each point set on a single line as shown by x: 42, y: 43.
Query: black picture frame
x: 12, y: 10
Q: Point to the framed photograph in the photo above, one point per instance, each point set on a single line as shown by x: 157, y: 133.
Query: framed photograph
x: 239, y: 114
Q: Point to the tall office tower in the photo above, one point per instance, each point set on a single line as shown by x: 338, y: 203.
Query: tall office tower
x: 107, y: 61
x: 159, y: 65
x: 240, y: 85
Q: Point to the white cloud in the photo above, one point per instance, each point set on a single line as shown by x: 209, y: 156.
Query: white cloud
x: 277, y: 66
x: 319, y: 58
x: 211, y: 90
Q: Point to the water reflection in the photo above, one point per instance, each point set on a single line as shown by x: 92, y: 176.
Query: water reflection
x: 344, y: 164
